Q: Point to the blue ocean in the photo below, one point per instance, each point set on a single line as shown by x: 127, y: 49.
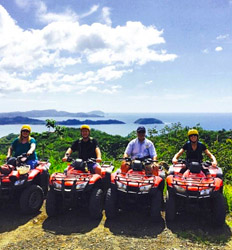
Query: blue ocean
x: 208, y: 121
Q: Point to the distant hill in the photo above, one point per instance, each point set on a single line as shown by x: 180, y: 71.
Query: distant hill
x: 89, y: 122
x: 20, y: 120
x: 52, y: 113
x: 148, y: 121
x: 26, y: 120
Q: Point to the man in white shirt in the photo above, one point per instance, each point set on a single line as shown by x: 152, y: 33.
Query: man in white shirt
x: 139, y: 148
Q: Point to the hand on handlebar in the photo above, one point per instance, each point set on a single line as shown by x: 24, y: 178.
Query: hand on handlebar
x: 98, y: 160
x: 214, y: 164
x: 29, y: 153
x: 174, y: 161
x: 64, y: 159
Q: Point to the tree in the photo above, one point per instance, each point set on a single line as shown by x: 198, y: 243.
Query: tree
x: 50, y: 123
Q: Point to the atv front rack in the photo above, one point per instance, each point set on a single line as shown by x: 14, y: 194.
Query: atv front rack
x: 196, y: 187
x: 79, y: 177
x: 72, y: 184
x: 135, y: 184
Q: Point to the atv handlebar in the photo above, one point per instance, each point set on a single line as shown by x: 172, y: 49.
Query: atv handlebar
x: 90, y: 160
x: 22, y: 158
x: 205, y: 164
x: 144, y: 160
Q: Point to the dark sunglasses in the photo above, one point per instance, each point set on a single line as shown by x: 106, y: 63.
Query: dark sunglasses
x: 193, y: 135
x: 25, y: 130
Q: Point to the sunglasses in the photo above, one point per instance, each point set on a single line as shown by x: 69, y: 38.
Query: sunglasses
x: 25, y: 130
x: 193, y: 135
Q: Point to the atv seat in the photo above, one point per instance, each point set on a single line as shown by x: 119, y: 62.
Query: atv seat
x: 137, y: 165
x: 195, y: 167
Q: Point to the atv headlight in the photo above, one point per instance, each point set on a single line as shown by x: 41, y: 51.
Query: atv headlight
x: 57, y: 185
x: 179, y: 189
x: 121, y: 185
x: 145, y: 188
x: 81, y: 186
x: 19, y: 182
x: 206, y: 191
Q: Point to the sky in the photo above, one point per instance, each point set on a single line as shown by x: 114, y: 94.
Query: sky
x: 146, y: 56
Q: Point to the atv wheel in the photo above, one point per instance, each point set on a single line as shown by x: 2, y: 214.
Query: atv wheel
x: 156, y: 201
x: 53, y: 203
x: 31, y: 199
x: 218, y: 210
x: 170, y: 206
x: 110, y: 203
x: 96, y: 203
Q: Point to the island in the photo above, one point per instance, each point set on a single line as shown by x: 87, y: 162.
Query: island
x: 69, y: 122
x: 20, y: 120
x: 89, y: 122
x: 148, y: 121
x: 51, y: 113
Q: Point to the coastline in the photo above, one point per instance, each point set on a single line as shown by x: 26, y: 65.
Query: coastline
x: 208, y: 121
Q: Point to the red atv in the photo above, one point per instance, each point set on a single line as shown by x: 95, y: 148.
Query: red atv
x: 78, y: 187
x: 28, y: 186
x: 135, y: 188
x: 195, y: 185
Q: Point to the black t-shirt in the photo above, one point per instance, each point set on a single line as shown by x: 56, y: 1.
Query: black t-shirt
x: 194, y: 155
x: 85, y: 150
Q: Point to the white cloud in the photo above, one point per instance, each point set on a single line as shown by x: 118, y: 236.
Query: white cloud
x: 24, y: 4
x: 106, y: 16
x: 218, y: 49
x: 48, y: 17
x: 92, y: 10
x: 60, y: 82
x: 110, y: 90
x: 222, y: 37
x: 205, y: 51
x: 8, y: 28
x: 64, y: 43
x: 148, y: 82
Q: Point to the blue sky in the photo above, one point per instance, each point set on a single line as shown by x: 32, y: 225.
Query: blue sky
x: 116, y: 56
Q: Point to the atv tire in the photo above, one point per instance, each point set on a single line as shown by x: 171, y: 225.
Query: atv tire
x: 96, y: 203
x: 106, y: 181
x: 170, y: 206
x: 111, y: 209
x: 53, y: 203
x: 218, y: 210
x: 156, y: 201
x: 31, y: 199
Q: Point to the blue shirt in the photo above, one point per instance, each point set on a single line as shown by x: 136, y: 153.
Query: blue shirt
x: 137, y: 149
x: 20, y: 148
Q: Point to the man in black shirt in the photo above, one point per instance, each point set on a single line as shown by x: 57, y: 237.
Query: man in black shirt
x: 87, y: 148
x: 194, y: 149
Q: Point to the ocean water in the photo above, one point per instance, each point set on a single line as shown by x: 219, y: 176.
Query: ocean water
x: 209, y: 121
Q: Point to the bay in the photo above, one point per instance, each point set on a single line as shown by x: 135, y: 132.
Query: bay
x: 208, y: 121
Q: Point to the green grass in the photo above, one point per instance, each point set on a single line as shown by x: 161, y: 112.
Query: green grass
x: 228, y: 195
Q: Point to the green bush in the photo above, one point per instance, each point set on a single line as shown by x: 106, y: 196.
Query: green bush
x: 227, y: 192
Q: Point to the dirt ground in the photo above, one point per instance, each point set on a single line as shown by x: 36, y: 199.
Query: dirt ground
x: 129, y: 231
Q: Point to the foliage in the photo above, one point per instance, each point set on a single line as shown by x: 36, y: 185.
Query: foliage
x: 50, y: 123
x: 227, y: 192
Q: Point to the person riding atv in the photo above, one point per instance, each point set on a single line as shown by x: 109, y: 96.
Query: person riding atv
x: 23, y: 144
x: 87, y: 148
x: 194, y: 149
x: 140, y: 148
